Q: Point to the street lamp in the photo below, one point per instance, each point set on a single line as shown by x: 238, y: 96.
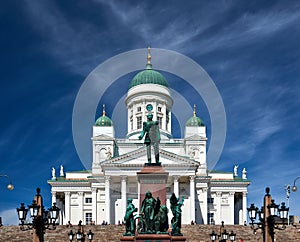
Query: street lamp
x: 223, y: 236
x: 294, y: 189
x: 80, y: 236
x: 90, y: 235
x: 10, y: 186
x: 267, y: 215
x: 41, y: 219
x: 232, y: 236
x: 71, y: 235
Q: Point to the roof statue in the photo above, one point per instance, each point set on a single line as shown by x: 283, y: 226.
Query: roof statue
x: 235, y: 173
x: 53, y: 173
x: 61, y: 172
x: 244, y: 174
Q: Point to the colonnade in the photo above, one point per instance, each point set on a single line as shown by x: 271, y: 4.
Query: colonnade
x: 176, y: 189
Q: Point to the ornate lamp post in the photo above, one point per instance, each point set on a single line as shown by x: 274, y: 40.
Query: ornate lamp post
x: 80, y: 236
x: 267, y: 215
x: 41, y: 219
x: 294, y: 189
x: 223, y: 236
x: 10, y: 186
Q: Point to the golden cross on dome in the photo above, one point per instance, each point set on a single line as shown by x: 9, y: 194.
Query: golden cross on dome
x: 103, y: 112
x: 149, y: 56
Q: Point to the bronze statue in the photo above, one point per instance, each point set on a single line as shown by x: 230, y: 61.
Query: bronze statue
x: 148, y: 211
x: 129, y: 218
x: 161, y: 220
x: 176, y: 210
x: 153, y: 217
x: 151, y: 129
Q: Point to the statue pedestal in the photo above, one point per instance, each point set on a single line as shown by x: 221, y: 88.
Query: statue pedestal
x: 153, y: 238
x: 153, y: 178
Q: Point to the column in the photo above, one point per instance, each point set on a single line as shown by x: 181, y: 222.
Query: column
x: 144, y: 111
x: 231, y: 204
x: 97, y: 155
x: 155, y: 110
x: 164, y: 118
x: 192, y: 196
x: 107, y: 199
x: 176, y: 186
x: 67, y: 207
x: 139, y: 194
x: 53, y: 197
x: 53, y: 200
x: 123, y: 194
x: 204, y: 208
x: 218, y: 205
x: 80, y: 206
x: 244, y: 207
x: 94, y: 204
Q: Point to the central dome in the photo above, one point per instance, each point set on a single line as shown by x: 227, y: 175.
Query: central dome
x: 148, y: 76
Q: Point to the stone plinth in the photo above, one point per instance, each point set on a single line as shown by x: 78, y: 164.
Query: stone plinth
x: 153, y: 238
x: 178, y: 238
x: 127, y: 238
x: 153, y: 178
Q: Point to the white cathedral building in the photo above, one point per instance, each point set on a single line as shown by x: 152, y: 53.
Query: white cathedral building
x: 100, y: 194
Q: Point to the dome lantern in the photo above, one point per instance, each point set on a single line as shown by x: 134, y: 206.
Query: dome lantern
x: 148, y: 76
x: 195, y: 121
x: 103, y: 120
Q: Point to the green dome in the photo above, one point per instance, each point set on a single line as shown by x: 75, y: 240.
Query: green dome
x: 148, y: 76
x: 104, y: 120
x: 194, y: 121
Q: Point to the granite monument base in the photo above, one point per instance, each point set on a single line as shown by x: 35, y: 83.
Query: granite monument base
x: 153, y: 178
x: 153, y: 238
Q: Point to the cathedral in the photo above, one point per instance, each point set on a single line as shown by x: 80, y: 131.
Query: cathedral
x: 99, y: 195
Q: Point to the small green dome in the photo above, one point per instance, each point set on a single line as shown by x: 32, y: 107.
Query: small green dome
x: 103, y: 120
x: 148, y: 76
x: 194, y: 121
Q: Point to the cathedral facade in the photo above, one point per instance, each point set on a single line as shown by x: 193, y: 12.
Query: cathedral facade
x: 100, y: 195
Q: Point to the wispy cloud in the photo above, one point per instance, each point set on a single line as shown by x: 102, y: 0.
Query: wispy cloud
x: 9, y: 217
x: 72, y: 43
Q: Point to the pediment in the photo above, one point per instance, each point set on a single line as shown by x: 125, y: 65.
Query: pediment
x: 139, y: 158
x: 102, y: 137
x: 195, y: 137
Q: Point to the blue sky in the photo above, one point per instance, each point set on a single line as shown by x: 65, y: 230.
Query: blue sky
x: 250, y: 49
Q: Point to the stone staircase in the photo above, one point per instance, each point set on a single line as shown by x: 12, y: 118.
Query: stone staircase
x: 112, y: 233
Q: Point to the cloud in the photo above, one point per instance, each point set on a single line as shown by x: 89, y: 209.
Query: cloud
x: 78, y: 42
x: 9, y: 217
x: 68, y: 40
